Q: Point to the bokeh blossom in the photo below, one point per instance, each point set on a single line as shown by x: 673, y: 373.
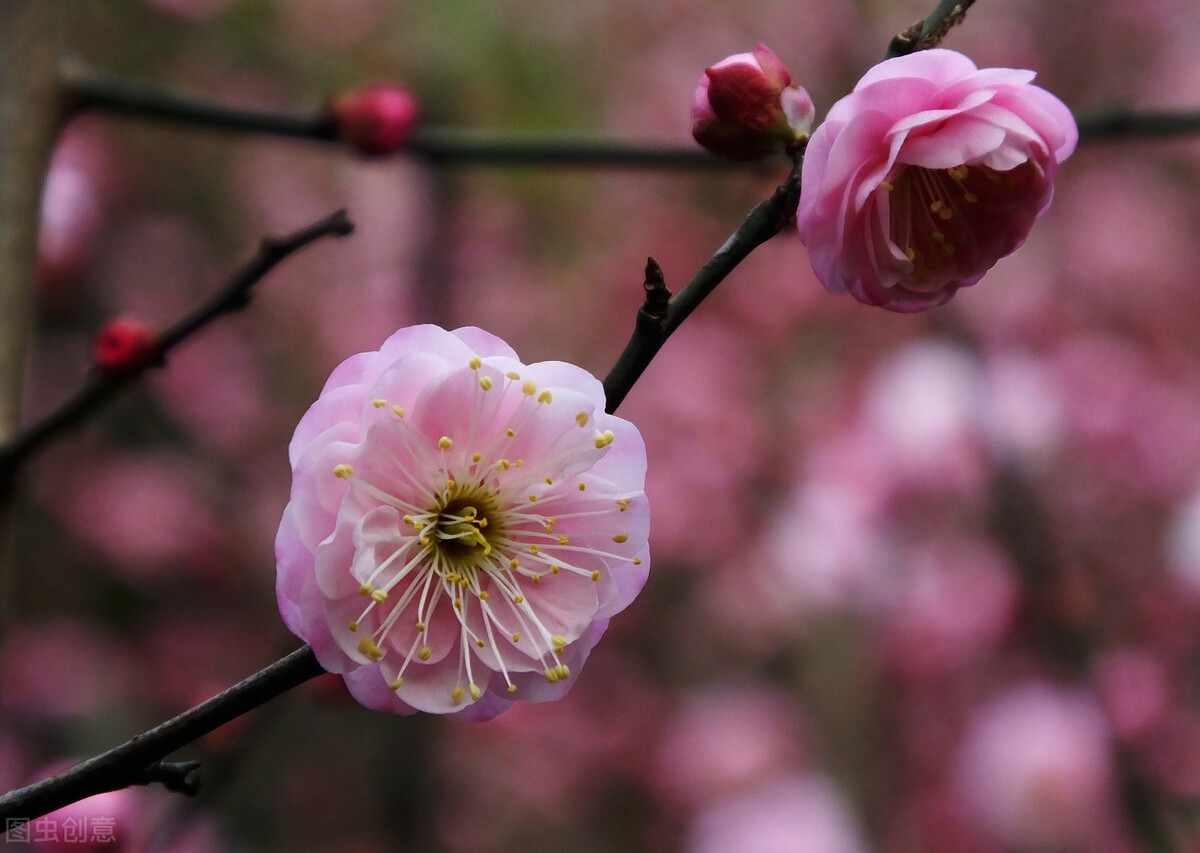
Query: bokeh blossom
x: 746, y: 107
x: 925, y: 175
x: 462, y: 526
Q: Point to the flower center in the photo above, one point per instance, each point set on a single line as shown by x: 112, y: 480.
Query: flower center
x: 940, y: 219
x: 463, y: 524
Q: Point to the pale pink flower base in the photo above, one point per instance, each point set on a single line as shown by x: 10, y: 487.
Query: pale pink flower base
x: 462, y: 526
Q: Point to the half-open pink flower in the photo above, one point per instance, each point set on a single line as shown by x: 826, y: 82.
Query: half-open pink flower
x: 925, y: 175
x: 462, y: 526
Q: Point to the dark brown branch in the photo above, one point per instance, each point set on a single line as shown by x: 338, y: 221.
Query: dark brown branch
x: 103, y: 386
x: 652, y: 328
x: 138, y: 761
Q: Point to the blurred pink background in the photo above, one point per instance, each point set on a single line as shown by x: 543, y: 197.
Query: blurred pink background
x: 921, y: 584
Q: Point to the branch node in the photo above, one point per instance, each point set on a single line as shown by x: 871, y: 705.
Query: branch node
x: 180, y: 777
x: 658, y: 295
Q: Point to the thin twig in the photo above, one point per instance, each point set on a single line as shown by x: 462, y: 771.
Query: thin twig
x: 652, y: 329
x: 100, y: 387
x: 1107, y: 124
x: 137, y: 761
x: 85, y: 90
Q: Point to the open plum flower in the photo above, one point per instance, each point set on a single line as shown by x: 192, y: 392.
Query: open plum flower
x: 462, y: 526
x: 925, y: 175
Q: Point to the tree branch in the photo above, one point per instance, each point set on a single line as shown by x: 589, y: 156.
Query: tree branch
x: 929, y: 33
x: 138, y: 761
x: 102, y: 386
x: 87, y: 90
x: 1111, y: 124
x: 653, y: 326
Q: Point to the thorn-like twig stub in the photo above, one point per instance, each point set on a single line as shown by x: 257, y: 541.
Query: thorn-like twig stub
x: 658, y: 295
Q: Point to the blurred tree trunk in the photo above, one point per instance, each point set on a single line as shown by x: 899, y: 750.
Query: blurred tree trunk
x: 29, y: 43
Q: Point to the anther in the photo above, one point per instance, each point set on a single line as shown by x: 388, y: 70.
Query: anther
x: 379, y: 402
x: 604, y: 439
x: 545, y: 397
x: 343, y: 471
x: 485, y: 382
x: 444, y: 442
x: 582, y: 419
x: 475, y: 691
x: 399, y: 410
x: 425, y: 653
x: 621, y: 538
x: 476, y: 362
x: 456, y: 695
x: 397, y: 684
x: 529, y: 388
x: 368, y: 648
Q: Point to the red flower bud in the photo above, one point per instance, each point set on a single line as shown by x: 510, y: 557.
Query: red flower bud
x: 746, y: 107
x: 125, y: 345
x: 376, y: 119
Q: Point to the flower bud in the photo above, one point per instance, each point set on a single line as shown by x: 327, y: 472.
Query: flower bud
x: 124, y: 345
x: 746, y: 107
x: 376, y: 119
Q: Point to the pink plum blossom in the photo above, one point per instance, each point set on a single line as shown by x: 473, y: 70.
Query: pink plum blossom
x: 793, y: 813
x: 462, y: 526
x: 1036, y: 769
x: 746, y: 107
x: 925, y: 175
